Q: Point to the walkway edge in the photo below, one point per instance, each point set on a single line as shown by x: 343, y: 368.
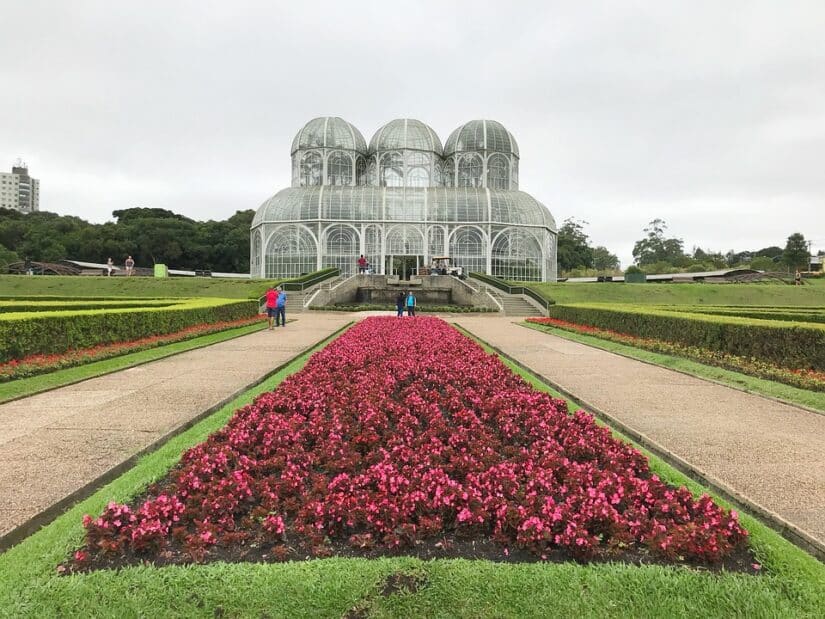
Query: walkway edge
x: 789, y: 531
x: 46, y: 516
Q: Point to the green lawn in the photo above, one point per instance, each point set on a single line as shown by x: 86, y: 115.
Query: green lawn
x: 793, y: 583
x: 80, y: 286
x: 811, y: 294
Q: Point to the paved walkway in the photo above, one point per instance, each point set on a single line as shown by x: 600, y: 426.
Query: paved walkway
x: 772, y: 453
x: 54, y: 443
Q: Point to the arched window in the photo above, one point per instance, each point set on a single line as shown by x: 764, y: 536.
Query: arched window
x: 498, y: 172
x: 312, y: 167
x: 517, y: 255
x: 339, y: 169
x: 469, y: 170
x: 418, y: 177
x: 438, y: 175
x: 360, y: 171
x: 514, y: 184
x: 372, y: 172
x: 392, y: 170
x: 290, y: 252
x: 468, y: 249
x: 404, y: 241
x: 372, y: 247
x: 340, y: 248
x: 435, y: 241
x: 449, y: 172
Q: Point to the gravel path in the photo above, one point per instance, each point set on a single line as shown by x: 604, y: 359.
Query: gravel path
x: 54, y: 443
x: 771, y: 453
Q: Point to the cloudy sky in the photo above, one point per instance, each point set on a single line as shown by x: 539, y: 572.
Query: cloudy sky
x: 709, y: 115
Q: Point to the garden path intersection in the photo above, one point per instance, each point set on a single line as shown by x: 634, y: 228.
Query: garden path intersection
x: 55, y: 443
x: 770, y: 453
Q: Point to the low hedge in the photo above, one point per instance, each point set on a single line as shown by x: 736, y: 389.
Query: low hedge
x: 52, y: 306
x: 784, y: 343
x: 375, y: 307
x: 23, y: 334
x: 766, y: 314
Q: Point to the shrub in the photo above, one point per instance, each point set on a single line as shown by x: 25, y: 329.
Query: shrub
x: 24, y: 334
x: 788, y: 344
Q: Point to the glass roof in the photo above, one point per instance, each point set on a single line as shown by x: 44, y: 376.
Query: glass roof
x: 487, y: 135
x: 329, y: 132
x: 406, y: 133
x: 416, y: 204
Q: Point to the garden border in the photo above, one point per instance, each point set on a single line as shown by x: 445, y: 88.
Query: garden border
x: 44, y: 517
x: 789, y: 531
x: 776, y: 399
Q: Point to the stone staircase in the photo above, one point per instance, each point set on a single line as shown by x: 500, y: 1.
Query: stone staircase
x: 513, y: 305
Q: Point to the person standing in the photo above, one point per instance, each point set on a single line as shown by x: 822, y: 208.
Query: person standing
x: 271, y: 305
x: 130, y: 265
x: 109, y: 266
x: 411, y: 304
x: 400, y: 300
x: 362, y: 264
x: 798, y: 278
x: 280, y: 307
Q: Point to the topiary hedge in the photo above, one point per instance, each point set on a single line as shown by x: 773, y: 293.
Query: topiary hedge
x: 52, y: 332
x: 785, y: 343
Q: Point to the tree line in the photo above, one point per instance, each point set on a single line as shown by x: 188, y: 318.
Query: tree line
x: 149, y: 235
x: 657, y: 252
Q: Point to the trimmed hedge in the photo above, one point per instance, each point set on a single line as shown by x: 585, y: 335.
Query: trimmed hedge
x: 54, y: 306
x: 766, y: 314
x: 23, y: 334
x: 375, y: 307
x: 784, y: 343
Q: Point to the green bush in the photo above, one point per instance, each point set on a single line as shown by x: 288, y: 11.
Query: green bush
x: 24, y: 334
x: 784, y: 343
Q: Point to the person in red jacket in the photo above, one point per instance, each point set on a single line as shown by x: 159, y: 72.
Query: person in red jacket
x: 271, y: 305
x: 362, y: 264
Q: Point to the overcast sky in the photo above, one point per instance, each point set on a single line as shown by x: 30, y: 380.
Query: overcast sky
x: 709, y: 115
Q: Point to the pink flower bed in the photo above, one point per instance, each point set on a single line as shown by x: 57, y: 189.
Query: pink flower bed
x: 402, y: 431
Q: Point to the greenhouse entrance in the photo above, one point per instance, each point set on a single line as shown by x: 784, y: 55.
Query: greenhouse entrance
x: 404, y: 266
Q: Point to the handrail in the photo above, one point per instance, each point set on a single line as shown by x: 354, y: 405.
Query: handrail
x: 505, y: 287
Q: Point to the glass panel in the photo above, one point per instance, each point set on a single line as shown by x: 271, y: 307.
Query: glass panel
x: 469, y: 170
x: 339, y: 169
x: 449, y: 172
x: 468, y: 249
x: 360, y: 171
x: 517, y: 256
x: 340, y: 248
x: 404, y: 241
x: 435, y: 241
x: 255, y: 254
x: 290, y: 252
x: 372, y: 247
x: 311, y: 169
x: 392, y: 170
x: 418, y: 177
x: 438, y: 175
x: 498, y: 172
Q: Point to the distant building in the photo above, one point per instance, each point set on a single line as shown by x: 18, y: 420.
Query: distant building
x: 18, y: 190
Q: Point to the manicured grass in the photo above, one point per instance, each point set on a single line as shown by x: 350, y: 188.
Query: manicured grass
x: 811, y: 294
x: 793, y: 395
x: 793, y: 584
x: 80, y: 286
x: 36, y: 384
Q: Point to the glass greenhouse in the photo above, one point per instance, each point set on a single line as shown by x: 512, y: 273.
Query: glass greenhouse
x: 401, y: 201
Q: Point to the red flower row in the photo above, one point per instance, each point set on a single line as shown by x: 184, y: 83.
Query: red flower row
x: 400, y: 432
x: 42, y: 364
x: 802, y: 378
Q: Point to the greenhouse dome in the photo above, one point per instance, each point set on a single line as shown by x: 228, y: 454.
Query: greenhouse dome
x: 406, y: 198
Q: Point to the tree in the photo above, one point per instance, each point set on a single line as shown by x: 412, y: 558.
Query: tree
x: 763, y: 263
x: 7, y: 257
x: 603, y: 260
x: 796, y: 253
x: 574, y: 249
x: 655, y: 248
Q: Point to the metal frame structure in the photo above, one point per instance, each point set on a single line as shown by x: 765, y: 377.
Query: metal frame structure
x: 404, y: 196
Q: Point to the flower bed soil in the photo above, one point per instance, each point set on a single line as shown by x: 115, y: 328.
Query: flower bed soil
x: 406, y: 438
x: 34, y: 365
x: 797, y: 377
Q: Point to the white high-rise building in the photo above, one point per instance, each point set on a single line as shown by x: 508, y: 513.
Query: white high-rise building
x: 18, y: 190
